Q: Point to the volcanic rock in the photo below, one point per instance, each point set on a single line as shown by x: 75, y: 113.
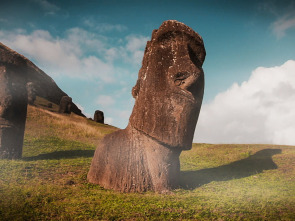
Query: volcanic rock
x: 168, y: 96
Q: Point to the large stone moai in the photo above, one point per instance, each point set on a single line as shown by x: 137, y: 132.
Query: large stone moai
x: 98, y: 117
x: 168, y: 96
x: 13, y: 109
x: 65, y: 106
x: 31, y: 93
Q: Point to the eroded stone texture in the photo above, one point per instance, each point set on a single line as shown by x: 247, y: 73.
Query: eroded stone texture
x: 31, y: 93
x: 168, y: 96
x: 99, y: 117
x: 65, y: 106
x: 13, y: 109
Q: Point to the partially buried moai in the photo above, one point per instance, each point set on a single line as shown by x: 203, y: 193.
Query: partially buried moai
x: 98, y: 117
x: 13, y: 109
x: 168, y: 96
x: 65, y: 106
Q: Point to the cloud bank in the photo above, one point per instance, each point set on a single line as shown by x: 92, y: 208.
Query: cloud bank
x: 260, y: 110
x: 107, y: 66
x: 79, y: 54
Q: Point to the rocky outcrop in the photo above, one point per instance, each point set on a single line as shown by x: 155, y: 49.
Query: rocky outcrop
x: 43, y: 85
x: 168, y: 96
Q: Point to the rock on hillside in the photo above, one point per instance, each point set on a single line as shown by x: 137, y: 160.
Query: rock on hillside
x: 44, y: 85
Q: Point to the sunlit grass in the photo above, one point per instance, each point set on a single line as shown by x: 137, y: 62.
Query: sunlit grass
x: 219, y: 182
x: 44, y: 123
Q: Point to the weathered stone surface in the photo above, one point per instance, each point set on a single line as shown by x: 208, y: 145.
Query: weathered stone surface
x: 31, y: 93
x: 65, y: 106
x: 44, y: 86
x: 13, y: 109
x: 98, y: 117
x: 168, y: 96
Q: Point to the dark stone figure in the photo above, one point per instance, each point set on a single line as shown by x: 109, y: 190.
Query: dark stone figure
x: 99, y: 117
x: 65, y: 106
x: 31, y: 93
x: 168, y: 96
x: 13, y: 109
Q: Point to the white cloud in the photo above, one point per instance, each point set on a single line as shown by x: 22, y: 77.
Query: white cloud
x: 105, y: 101
x: 282, y: 24
x: 108, y: 120
x: 63, y: 56
x: 80, y: 54
x: 135, y: 43
x: 135, y: 48
x: 260, y: 110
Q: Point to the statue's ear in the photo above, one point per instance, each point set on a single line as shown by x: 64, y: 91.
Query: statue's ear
x: 135, y: 89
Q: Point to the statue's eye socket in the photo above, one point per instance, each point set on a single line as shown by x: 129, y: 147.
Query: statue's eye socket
x: 178, y: 82
x: 180, y: 77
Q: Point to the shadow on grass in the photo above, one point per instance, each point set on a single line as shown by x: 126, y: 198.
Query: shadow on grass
x: 254, y: 164
x: 65, y: 154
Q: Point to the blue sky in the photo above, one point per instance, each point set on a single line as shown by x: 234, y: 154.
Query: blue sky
x: 93, y: 50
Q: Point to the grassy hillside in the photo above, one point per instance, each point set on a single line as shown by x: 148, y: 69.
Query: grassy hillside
x: 219, y: 182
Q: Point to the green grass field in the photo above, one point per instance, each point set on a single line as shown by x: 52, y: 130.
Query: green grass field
x: 218, y: 182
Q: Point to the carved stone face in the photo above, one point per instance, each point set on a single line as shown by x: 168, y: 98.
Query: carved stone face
x: 170, y: 87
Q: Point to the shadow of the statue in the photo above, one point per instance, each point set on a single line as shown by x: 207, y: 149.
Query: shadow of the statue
x: 63, y: 154
x: 254, y: 164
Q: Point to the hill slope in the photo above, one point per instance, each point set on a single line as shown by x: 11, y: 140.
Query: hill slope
x: 253, y: 182
x: 44, y: 85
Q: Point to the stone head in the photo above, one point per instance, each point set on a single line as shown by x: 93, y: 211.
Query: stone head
x: 65, y: 105
x: 98, y: 116
x: 170, y: 86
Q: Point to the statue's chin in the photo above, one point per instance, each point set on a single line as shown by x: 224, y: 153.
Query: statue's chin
x: 176, y: 137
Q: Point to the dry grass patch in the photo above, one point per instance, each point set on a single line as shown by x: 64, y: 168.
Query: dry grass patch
x: 41, y: 122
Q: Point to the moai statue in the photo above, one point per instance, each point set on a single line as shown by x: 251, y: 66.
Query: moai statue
x: 168, y: 96
x: 13, y: 109
x: 65, y: 106
x: 31, y: 93
x: 98, y: 117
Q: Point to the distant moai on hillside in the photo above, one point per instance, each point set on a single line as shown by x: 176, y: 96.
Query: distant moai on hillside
x: 13, y: 109
x: 168, y: 96
x: 98, y: 117
x: 31, y: 93
x: 65, y: 106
